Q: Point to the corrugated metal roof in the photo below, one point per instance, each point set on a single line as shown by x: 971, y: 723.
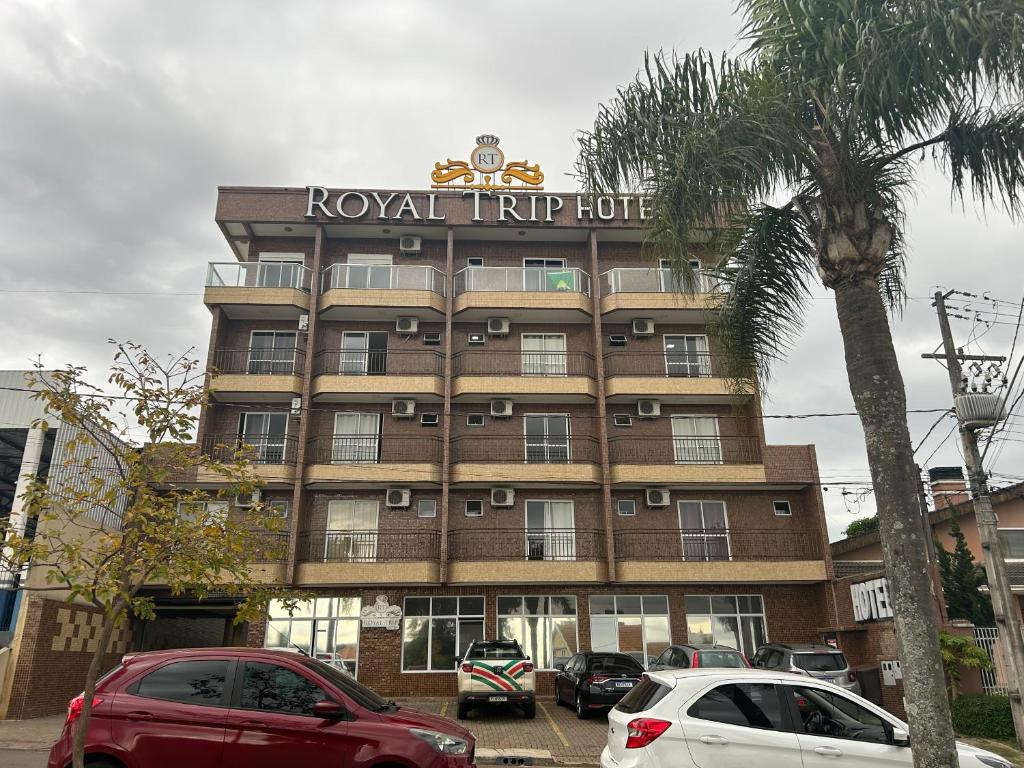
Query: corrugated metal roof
x: 17, y: 409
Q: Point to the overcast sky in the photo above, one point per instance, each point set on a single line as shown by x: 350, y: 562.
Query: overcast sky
x: 119, y: 120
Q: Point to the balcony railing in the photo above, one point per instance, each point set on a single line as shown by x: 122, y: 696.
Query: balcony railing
x: 259, y: 449
x: 273, y: 547
x: 640, y: 280
x: 373, y: 449
x: 379, y: 362
x: 258, y: 274
x: 410, y: 277
x: 368, y: 546
x: 525, y: 450
x: 480, y: 363
x: 717, y: 544
x: 669, y: 364
x: 547, y: 279
x: 525, y: 544
x: 260, y: 361
x: 684, y: 450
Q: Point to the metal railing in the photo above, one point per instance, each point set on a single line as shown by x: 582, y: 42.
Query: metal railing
x: 669, y: 364
x: 258, y: 274
x: 411, y: 277
x: 469, y: 545
x: 260, y: 361
x: 546, y: 279
x: 378, y: 362
x: 641, y: 280
x: 481, y: 363
x: 259, y: 449
x: 273, y: 547
x: 684, y: 450
x: 374, y: 449
x: 716, y: 544
x: 524, y: 450
x: 368, y: 546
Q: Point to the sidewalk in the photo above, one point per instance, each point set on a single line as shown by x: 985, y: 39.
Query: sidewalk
x: 38, y: 733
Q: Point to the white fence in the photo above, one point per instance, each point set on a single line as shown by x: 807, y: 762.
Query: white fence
x: 986, y: 638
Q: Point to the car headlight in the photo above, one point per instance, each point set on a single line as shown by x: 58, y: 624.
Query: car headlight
x: 994, y: 762
x: 442, y: 742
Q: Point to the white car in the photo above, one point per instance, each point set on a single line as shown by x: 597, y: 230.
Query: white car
x: 730, y: 718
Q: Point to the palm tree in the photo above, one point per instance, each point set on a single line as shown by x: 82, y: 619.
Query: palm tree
x: 827, y: 114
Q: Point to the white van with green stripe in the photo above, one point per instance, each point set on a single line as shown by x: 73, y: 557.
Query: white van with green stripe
x: 496, y: 672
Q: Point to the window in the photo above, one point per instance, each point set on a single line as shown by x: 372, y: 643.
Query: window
x: 351, y: 535
x: 824, y: 713
x: 265, y: 434
x: 437, y: 629
x: 325, y: 628
x: 475, y: 420
x: 733, y: 620
x: 617, y: 340
x: 474, y: 508
x: 543, y: 354
x: 704, y: 528
x: 782, y: 509
x: 280, y: 507
x: 429, y: 420
x: 272, y: 688
x: 366, y: 271
x: 643, y: 696
x: 750, y: 705
x: 626, y: 507
x: 633, y: 624
x: 547, y: 275
x: 550, y: 530
x: 547, y: 439
x: 426, y: 508
x: 432, y: 339
x: 545, y: 626
x: 1012, y: 541
x: 695, y: 440
x: 476, y: 338
x: 209, y: 512
x: 474, y: 261
x: 190, y: 682
x: 280, y: 270
x: 686, y: 356
x: 272, y: 352
x: 364, y: 353
x: 356, y: 438
x: 622, y: 420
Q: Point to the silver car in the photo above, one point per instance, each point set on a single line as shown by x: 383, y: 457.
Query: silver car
x: 819, y: 661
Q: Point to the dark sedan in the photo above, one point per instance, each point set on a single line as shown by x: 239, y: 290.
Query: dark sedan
x: 699, y: 656
x: 595, y: 680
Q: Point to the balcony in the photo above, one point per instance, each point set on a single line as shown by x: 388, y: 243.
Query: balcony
x: 273, y: 455
x: 370, y: 374
x: 488, y: 555
x: 668, y: 460
x: 670, y: 376
x: 368, y: 556
x: 258, y: 290
x: 523, y: 294
x: 493, y: 460
x: 381, y: 291
x: 719, y: 555
x: 269, y: 564
x: 257, y: 374
x: 525, y: 376
x: 627, y: 292
x: 389, y: 459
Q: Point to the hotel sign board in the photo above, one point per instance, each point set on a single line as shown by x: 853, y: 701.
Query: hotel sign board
x: 871, y: 600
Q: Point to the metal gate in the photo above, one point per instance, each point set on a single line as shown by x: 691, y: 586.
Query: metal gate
x: 986, y: 638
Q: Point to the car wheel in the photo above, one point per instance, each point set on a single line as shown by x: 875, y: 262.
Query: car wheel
x: 530, y: 710
x: 463, y: 712
x: 582, y: 712
x: 558, y: 695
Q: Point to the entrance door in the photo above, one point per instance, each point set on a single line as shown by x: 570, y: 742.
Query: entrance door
x: 364, y: 353
x: 705, y: 530
x: 686, y: 356
x: 536, y: 271
x: 550, y: 530
x: 356, y: 438
x: 695, y: 440
x: 272, y: 352
x: 280, y: 270
x: 351, y: 531
x: 544, y: 354
x: 266, y: 434
x: 369, y: 271
x: 547, y: 439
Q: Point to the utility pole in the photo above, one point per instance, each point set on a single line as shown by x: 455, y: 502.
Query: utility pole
x: 1004, y: 604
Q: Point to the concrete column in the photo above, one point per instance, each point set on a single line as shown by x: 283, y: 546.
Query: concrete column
x: 29, y: 468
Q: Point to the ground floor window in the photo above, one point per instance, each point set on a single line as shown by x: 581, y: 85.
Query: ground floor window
x: 437, y: 629
x: 545, y: 626
x: 733, y: 620
x: 326, y: 628
x: 633, y: 624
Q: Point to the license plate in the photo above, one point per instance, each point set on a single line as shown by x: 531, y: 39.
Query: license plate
x: 498, y: 698
x: 627, y: 684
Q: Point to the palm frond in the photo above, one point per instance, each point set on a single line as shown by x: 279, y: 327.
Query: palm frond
x: 983, y: 151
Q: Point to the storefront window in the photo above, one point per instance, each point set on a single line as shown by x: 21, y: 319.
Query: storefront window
x: 633, y: 624
x: 326, y: 628
x: 545, y: 626
x: 733, y: 620
x: 437, y: 629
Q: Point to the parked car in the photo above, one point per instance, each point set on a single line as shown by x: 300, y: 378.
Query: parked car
x: 821, y: 661
x: 210, y: 707
x: 696, y: 718
x: 496, y: 672
x: 595, y: 680
x: 699, y: 656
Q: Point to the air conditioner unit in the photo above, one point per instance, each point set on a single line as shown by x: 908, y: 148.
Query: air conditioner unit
x: 246, y: 500
x: 501, y: 408
x: 398, y: 497
x: 648, y: 409
x: 403, y: 408
x: 407, y: 325
x: 643, y: 326
x: 657, y: 497
x: 303, y: 322
x: 497, y: 326
x: 410, y: 244
x: 503, y: 497
x: 980, y: 409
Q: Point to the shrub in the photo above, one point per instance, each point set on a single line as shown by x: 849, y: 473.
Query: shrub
x: 983, y: 715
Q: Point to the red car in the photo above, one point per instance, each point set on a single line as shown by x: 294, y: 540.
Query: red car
x: 252, y: 708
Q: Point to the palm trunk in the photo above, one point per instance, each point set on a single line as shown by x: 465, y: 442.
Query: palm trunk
x: 91, y: 676
x: 880, y: 399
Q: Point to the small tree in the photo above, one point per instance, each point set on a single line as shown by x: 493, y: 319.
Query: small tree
x: 961, y: 579
x: 862, y: 526
x: 114, y: 516
x: 960, y: 653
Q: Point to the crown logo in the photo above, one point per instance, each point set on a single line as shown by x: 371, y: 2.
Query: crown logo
x: 485, y: 167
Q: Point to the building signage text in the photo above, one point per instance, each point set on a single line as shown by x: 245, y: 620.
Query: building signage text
x: 871, y: 600
x: 381, y: 615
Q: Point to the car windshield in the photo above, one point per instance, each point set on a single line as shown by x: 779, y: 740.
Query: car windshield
x: 642, y: 697
x: 495, y: 651
x: 721, y: 659
x: 819, y: 662
x: 614, y: 665
x: 359, y: 693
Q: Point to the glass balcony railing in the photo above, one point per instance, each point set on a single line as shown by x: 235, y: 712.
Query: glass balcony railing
x: 258, y: 274
x: 543, y: 279
x: 640, y: 280
x: 409, y: 277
